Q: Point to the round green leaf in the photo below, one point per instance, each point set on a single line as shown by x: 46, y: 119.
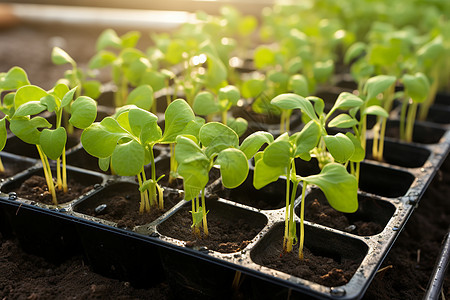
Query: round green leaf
x: 340, y: 188
x: 292, y: 101
x: 30, y: 108
x: 230, y: 93
x: 15, y: 78
x: 142, y: 97
x: 60, y: 57
x: 83, y: 112
x: 53, y: 142
x: 233, y: 167
x: 340, y: 147
x: 251, y: 145
x: 128, y: 158
x: 26, y: 129
x: 3, y: 133
x: 195, y: 177
x: 205, y: 104
x: 343, y: 121
x: 177, y: 117
x: 28, y: 93
x: 378, y: 84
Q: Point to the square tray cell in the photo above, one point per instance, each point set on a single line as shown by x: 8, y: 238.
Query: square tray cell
x: 439, y: 114
x: 14, y: 164
x: 330, y: 259
x: 422, y: 134
x: 384, y: 181
x: 119, y: 203
x: 230, y: 227
x: 373, y: 179
x: 272, y: 196
x: 79, y: 183
x: 370, y: 218
x: 401, y: 154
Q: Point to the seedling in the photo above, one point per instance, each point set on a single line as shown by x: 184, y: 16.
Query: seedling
x: 31, y: 100
x: 206, y: 104
x: 126, y: 140
x: 277, y: 160
x: 217, y: 144
x: 15, y: 78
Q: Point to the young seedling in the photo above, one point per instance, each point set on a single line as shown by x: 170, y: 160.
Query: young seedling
x: 339, y: 187
x: 217, y: 144
x: 205, y: 104
x: 417, y: 89
x: 126, y: 140
x: 15, y: 78
x: 329, y: 148
x: 31, y: 100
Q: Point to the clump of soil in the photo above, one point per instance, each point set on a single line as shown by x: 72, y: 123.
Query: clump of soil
x: 35, y: 188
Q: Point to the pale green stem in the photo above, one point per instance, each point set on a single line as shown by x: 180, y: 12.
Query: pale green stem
x: 2, y: 168
x: 47, y: 174
x: 302, y: 229
x: 205, y: 224
x: 410, y: 122
x: 402, y: 130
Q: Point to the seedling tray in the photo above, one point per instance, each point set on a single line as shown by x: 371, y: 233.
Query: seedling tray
x: 389, y: 193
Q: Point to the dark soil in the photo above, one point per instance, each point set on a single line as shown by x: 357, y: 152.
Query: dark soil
x: 35, y: 188
x: 324, y: 214
x: 227, y: 233
x: 24, y: 276
x: 316, y: 268
x: 122, y: 206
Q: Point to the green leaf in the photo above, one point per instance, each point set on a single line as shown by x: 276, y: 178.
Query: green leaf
x: 153, y: 78
x: 278, y: 153
x: 102, y: 59
x: 252, y: 88
x: 251, y: 145
x: 378, y: 84
x: 308, y: 138
x: 108, y: 38
x: 205, y: 104
x: 83, y: 112
x: 144, y: 125
x: 100, y: 139
x: 417, y: 86
x: 347, y: 100
x: 340, y: 188
x: 186, y: 150
x: 216, y: 72
x: 195, y: 177
x: 340, y: 147
x: 230, y: 93
x: 142, y: 97
x: 233, y: 167
x: 292, y: 101
x: 177, y: 116
x: 359, y: 153
x: 354, y: 51
x: 239, y: 125
x: 3, y: 133
x: 59, y: 90
x: 193, y: 127
x: 68, y: 97
x: 15, y: 78
x: 60, y: 57
x: 128, y: 158
x: 343, y: 121
x: 92, y: 88
x: 130, y: 39
x: 376, y: 110
x: 319, y: 105
x: 299, y: 85
x: 28, y: 93
x: 103, y: 163
x: 53, y: 142
x: 27, y: 129
x: 217, y: 137
x: 30, y: 108
x: 264, y: 57
x: 264, y: 174
x: 323, y: 70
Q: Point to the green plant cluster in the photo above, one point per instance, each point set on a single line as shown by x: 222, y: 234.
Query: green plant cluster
x: 275, y: 65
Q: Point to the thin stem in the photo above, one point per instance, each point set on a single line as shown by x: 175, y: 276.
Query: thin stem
x: 425, y: 106
x: 205, y: 224
x: 147, y: 195
x: 173, y: 164
x: 225, y: 117
x: 58, y: 174
x: 64, y: 171
x: 286, y: 216
x: 47, y: 174
x: 302, y: 229
x: 152, y: 189
x: 282, y: 122
x: 2, y: 168
x: 410, y: 122
x: 376, y: 135
x: 142, y: 203
x: 403, y: 119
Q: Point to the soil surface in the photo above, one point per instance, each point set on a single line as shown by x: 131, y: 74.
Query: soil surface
x: 120, y: 204
x: 227, y: 233
x: 35, y: 188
